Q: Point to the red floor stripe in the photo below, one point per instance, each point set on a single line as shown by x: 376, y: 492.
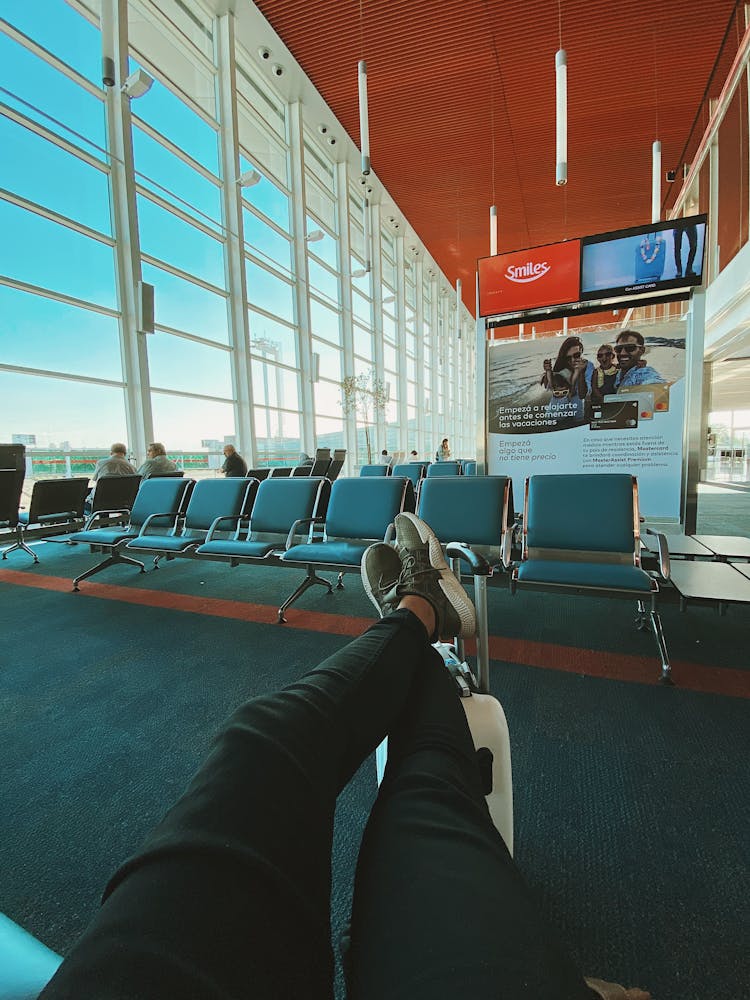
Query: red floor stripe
x: 549, y: 656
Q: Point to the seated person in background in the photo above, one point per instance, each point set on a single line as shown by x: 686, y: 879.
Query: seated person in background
x: 305, y: 460
x: 116, y: 465
x: 235, y: 466
x: 630, y: 348
x: 603, y: 378
x: 157, y: 463
x: 385, y: 458
x: 413, y: 455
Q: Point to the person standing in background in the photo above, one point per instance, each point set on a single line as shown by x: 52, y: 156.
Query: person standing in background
x: 443, y: 454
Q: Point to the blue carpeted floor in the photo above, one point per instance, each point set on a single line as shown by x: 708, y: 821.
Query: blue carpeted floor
x: 630, y: 799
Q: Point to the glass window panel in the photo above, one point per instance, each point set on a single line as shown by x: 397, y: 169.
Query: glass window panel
x: 274, y: 386
x: 357, y: 239
x: 60, y: 410
x: 44, y: 173
x: 327, y: 399
x: 45, y: 87
x: 733, y: 177
x: 266, y: 241
x: 329, y: 432
x: 179, y: 179
x: 362, y: 367
x: 182, y: 423
x: 324, y: 322
x: 363, y: 283
x: 389, y: 355
x: 51, y: 255
x: 184, y: 365
x: 260, y: 145
x: 273, y: 340
x: 277, y: 436
x: 330, y: 360
x: 317, y: 163
x: 411, y: 393
x: 258, y: 96
x: 389, y: 272
x: 188, y: 307
x: 363, y: 342
x: 193, y: 24
x: 36, y: 332
x: 325, y: 249
x: 411, y: 368
x: 169, y: 238
x: 389, y: 327
x: 265, y: 197
x: 62, y: 31
x: 268, y: 292
x: 174, y: 119
x: 321, y: 279
x: 361, y: 307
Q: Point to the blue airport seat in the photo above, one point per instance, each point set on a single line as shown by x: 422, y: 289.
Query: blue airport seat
x: 581, y: 535
x: 375, y: 470
x: 443, y: 469
x: 360, y: 512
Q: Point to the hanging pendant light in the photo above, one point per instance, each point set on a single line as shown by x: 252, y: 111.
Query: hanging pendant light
x: 364, y: 126
x: 493, y: 230
x: 561, y: 107
x: 655, y: 181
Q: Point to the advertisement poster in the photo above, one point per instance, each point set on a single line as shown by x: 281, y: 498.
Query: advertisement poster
x: 576, y: 404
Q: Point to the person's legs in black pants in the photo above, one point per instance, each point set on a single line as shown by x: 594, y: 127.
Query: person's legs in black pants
x: 440, y: 909
x: 230, y: 896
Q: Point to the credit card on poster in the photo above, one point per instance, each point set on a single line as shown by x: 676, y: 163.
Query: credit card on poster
x: 615, y: 416
x: 659, y: 389
x: 645, y: 402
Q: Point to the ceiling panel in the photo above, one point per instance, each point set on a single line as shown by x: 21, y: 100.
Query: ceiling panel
x: 461, y: 106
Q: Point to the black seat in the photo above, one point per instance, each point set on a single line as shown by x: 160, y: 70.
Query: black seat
x: 337, y: 463
x: 10, y: 497
x: 114, y: 495
x: 54, y: 503
x: 259, y: 474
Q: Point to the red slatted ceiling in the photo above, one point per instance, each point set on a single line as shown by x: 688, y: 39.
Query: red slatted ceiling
x: 440, y: 71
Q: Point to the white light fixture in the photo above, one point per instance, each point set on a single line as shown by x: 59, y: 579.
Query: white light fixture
x: 388, y: 299
x: 249, y: 179
x: 493, y: 230
x: 364, y: 125
x: 315, y: 236
x: 655, y: 181
x: 561, y: 109
x: 137, y: 84
x: 360, y: 272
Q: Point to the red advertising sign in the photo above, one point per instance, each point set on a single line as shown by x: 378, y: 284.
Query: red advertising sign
x: 528, y: 279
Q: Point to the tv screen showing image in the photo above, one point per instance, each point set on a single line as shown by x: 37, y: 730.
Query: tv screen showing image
x: 662, y: 256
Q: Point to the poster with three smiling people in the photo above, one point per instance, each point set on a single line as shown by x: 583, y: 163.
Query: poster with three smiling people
x: 611, y: 400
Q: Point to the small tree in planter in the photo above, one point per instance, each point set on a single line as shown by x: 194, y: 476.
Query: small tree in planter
x: 366, y: 396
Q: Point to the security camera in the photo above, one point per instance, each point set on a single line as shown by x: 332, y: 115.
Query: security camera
x: 671, y: 176
x: 323, y: 129
x: 331, y: 140
x: 277, y: 70
x: 137, y: 84
x: 108, y: 72
x: 264, y: 53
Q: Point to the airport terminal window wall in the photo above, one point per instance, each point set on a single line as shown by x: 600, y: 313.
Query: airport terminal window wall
x: 63, y: 337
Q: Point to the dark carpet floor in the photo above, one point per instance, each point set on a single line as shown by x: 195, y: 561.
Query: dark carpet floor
x: 631, y: 800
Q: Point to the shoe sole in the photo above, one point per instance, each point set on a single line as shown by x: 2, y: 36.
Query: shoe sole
x: 366, y: 583
x: 451, y: 588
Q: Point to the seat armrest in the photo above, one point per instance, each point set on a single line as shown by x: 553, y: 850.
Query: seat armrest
x: 390, y: 533
x: 312, y: 521
x: 104, y: 513
x: 661, y: 540
x: 460, y: 550
x: 233, y: 518
x: 153, y: 517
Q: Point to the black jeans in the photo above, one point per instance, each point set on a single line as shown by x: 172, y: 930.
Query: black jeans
x: 230, y: 896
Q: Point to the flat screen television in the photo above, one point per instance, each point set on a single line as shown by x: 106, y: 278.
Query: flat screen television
x: 659, y: 257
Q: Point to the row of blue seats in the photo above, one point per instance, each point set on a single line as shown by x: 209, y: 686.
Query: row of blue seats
x: 567, y: 546
x: 416, y: 471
